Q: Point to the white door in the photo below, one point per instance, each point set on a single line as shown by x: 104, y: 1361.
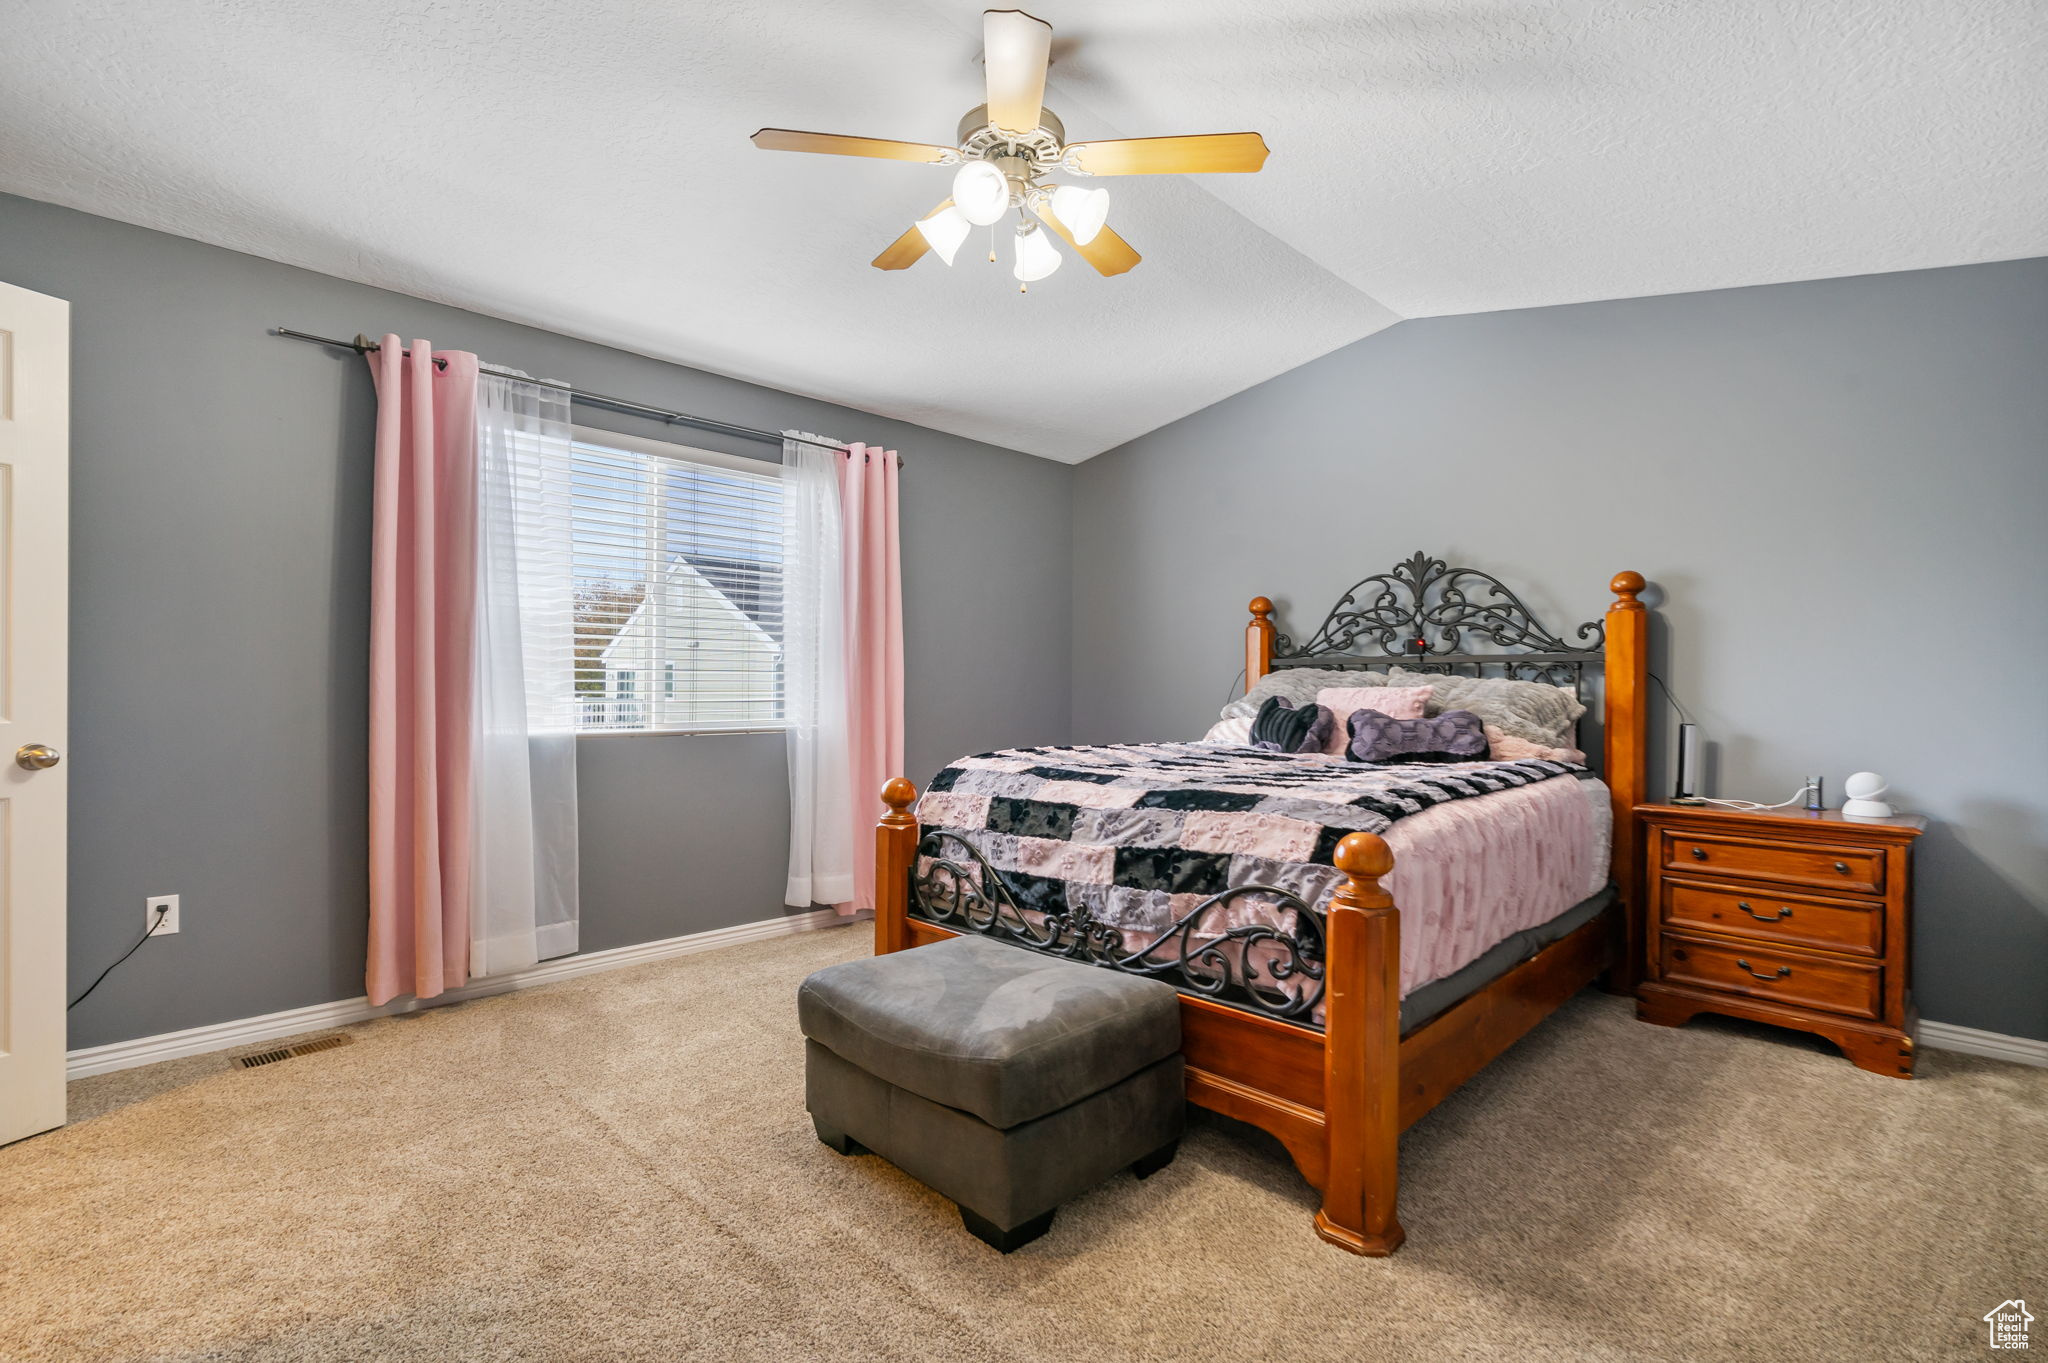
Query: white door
x: 35, y: 451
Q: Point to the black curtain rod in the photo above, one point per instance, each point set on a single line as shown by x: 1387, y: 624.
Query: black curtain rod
x: 363, y: 345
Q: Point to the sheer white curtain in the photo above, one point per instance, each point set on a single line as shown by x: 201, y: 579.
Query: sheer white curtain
x: 814, y: 675
x: 524, y: 861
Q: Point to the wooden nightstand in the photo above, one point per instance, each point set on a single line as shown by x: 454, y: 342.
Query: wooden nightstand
x: 1798, y: 919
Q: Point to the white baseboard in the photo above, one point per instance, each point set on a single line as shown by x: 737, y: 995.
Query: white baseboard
x: 146, y: 1050
x: 1946, y: 1036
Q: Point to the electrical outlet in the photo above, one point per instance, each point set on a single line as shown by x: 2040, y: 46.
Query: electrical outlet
x: 169, y: 904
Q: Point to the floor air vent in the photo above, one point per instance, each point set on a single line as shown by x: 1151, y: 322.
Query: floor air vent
x: 271, y: 1057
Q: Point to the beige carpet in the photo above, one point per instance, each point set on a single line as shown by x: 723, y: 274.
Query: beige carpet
x: 620, y: 1167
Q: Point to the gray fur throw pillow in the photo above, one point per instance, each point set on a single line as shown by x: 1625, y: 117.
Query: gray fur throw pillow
x: 1453, y: 736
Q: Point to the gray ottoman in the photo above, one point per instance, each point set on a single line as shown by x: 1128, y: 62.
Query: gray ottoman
x: 1005, y: 1080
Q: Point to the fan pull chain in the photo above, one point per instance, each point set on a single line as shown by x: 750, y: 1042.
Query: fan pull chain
x: 991, y: 244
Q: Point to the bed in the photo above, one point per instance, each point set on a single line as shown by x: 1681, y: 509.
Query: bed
x: 1260, y: 884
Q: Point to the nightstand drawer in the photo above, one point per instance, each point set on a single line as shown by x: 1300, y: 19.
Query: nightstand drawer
x: 1798, y: 863
x: 1834, y: 986
x: 1796, y: 920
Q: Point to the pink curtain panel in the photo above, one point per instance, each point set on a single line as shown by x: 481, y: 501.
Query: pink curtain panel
x: 422, y: 642
x: 874, y: 646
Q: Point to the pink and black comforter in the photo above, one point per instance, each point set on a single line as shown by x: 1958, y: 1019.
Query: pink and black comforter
x: 1141, y: 834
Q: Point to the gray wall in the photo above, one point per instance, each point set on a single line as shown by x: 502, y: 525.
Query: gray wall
x: 220, y: 617
x: 1839, y: 487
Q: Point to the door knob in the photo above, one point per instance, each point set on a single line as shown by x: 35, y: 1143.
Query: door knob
x: 36, y: 757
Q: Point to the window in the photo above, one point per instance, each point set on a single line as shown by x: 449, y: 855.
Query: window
x: 678, y: 586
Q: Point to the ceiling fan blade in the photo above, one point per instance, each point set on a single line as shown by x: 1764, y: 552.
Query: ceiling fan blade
x: 1196, y: 155
x: 1106, y: 251
x: 909, y: 248
x: 1015, y: 48
x: 832, y: 144
x: 903, y: 252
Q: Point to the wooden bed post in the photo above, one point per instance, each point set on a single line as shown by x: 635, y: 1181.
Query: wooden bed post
x: 1362, y: 1054
x: 1258, y: 642
x: 895, y: 849
x: 1626, y: 765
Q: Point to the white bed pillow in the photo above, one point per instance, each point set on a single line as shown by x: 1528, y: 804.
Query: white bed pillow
x: 1236, y: 730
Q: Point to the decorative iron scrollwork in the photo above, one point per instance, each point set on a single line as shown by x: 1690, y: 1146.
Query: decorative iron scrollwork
x: 1425, y: 609
x: 1535, y: 668
x: 1257, y: 966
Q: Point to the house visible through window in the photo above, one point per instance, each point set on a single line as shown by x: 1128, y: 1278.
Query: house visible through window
x: 678, y: 586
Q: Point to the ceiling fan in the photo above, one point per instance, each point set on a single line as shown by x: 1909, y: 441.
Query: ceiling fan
x: 1006, y: 148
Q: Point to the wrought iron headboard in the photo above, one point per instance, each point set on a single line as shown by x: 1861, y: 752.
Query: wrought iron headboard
x: 1423, y: 614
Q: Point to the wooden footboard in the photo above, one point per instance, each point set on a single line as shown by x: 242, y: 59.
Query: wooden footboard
x: 1332, y: 1097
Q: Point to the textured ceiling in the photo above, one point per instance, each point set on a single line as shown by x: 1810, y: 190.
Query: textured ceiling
x: 585, y: 168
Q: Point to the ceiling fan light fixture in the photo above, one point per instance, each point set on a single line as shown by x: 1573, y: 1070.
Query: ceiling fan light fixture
x: 944, y: 230
x: 1037, y: 257
x: 1081, y: 211
x: 1006, y: 146
x: 981, y: 193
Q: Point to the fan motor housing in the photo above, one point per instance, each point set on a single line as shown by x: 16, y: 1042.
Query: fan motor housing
x: 1040, y: 149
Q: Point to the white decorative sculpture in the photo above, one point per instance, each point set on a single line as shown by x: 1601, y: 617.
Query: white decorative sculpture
x: 1863, y: 789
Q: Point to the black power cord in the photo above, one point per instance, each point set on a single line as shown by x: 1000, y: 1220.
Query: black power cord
x: 161, y: 911
x: 1671, y: 696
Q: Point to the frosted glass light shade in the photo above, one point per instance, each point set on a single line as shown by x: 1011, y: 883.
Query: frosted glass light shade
x: 1037, y: 257
x: 944, y: 230
x: 1081, y: 211
x: 981, y: 193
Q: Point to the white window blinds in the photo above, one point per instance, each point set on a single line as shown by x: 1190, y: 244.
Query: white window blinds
x: 677, y: 557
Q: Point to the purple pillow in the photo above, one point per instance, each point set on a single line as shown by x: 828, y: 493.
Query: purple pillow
x: 1280, y: 727
x: 1453, y: 736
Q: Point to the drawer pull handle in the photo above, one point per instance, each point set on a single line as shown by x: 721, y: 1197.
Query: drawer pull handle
x: 1699, y: 854
x: 1843, y: 867
x: 1784, y: 911
x: 1782, y: 972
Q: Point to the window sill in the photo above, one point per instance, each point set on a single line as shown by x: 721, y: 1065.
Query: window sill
x: 709, y: 732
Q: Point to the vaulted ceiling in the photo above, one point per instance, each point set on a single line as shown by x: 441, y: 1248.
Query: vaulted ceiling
x: 585, y: 168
